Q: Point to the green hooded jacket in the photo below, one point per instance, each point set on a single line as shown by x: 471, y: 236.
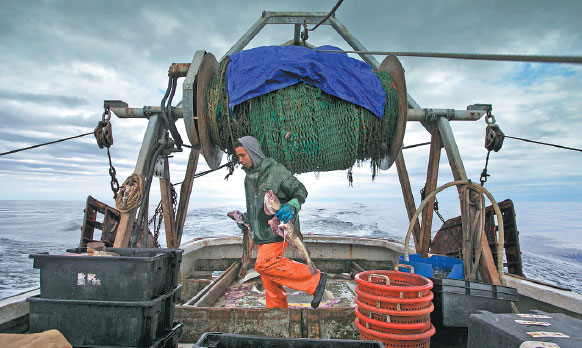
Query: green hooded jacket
x: 270, y: 175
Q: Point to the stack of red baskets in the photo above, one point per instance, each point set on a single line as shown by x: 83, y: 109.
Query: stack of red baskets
x: 394, y: 308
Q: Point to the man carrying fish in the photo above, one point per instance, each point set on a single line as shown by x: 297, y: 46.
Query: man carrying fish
x: 286, y: 194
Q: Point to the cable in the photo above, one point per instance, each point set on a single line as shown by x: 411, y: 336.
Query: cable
x: 474, y: 56
x: 415, y: 145
x: 328, y: 15
x: 39, y: 145
x: 548, y: 144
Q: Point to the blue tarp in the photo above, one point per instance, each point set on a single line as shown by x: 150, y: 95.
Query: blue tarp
x: 261, y: 70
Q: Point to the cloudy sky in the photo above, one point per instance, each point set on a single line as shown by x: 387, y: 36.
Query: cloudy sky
x: 60, y: 59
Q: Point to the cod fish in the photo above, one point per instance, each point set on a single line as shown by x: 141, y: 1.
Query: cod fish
x: 287, y: 230
x: 248, y: 244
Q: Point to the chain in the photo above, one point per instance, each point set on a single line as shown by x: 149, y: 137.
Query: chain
x: 112, y: 172
x: 157, y: 219
x: 158, y: 216
x: 106, y: 113
x: 104, y: 136
x: 484, y: 174
x: 436, y: 205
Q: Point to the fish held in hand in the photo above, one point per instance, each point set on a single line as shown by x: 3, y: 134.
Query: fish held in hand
x: 294, y: 237
x: 247, y: 243
x: 271, y: 203
x: 287, y: 230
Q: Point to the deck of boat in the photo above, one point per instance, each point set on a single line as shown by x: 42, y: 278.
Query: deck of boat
x: 339, y: 292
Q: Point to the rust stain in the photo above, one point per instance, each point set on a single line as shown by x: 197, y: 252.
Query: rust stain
x: 178, y: 69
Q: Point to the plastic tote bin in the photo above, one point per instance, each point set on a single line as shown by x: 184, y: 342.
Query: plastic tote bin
x: 135, y: 275
x: 104, y: 323
x: 436, y: 266
x: 217, y: 339
x: 454, y: 300
x: 169, y: 339
x: 488, y: 330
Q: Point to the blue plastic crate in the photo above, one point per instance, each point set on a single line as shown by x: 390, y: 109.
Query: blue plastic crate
x: 436, y: 266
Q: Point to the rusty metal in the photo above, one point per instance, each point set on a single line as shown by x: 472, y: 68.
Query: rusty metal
x: 210, y: 151
x: 144, y: 112
x: 392, y: 66
x: 178, y: 69
x: 108, y: 226
x: 448, y: 239
x: 189, y: 91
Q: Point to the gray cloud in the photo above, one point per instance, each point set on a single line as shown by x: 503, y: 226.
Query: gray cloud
x: 62, y: 59
x: 61, y: 100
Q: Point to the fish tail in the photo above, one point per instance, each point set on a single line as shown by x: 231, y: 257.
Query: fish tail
x: 312, y: 268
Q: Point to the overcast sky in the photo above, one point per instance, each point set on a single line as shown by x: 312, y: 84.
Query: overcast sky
x: 60, y: 59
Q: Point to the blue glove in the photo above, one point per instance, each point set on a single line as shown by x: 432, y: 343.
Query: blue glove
x: 241, y: 226
x: 285, y: 213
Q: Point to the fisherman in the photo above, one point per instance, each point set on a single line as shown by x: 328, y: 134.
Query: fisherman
x: 264, y: 174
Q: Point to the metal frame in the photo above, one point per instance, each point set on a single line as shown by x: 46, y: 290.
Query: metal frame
x: 429, y: 118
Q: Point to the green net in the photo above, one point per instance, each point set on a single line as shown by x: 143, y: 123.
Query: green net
x: 304, y: 128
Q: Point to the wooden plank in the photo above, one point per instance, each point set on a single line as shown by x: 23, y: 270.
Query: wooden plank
x: 216, y: 289
x: 487, y: 264
x: 330, y: 323
x: 194, y: 300
x: 167, y: 206
x: 431, y: 185
x: 246, y: 321
x: 123, y: 236
x: 408, y: 197
x: 185, y: 192
x: 127, y: 219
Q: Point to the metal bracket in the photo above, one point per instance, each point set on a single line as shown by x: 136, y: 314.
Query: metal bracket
x: 432, y: 115
x: 115, y: 103
x: 159, y: 168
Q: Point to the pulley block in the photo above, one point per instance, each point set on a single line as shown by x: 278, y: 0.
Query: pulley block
x: 493, y: 137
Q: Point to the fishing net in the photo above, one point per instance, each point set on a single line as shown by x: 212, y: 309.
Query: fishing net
x: 302, y: 127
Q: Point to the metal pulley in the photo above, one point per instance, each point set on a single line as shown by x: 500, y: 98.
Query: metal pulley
x: 493, y: 137
x: 103, y: 132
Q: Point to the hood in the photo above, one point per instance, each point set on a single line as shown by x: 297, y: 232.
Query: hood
x: 253, y: 148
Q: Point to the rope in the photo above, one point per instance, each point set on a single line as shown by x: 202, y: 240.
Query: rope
x: 500, y: 236
x: 130, y: 194
x: 548, y: 144
x: 474, y: 56
x: 39, y: 145
x: 229, y: 164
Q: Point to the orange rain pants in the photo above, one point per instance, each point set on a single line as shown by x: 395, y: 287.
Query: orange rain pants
x: 277, y: 271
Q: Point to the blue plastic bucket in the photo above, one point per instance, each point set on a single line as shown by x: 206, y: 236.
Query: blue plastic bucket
x: 435, y: 266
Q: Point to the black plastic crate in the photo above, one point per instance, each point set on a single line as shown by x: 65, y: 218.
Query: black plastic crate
x: 135, y: 275
x: 454, y: 300
x: 217, y: 339
x: 488, y: 330
x: 104, y: 323
x: 169, y: 339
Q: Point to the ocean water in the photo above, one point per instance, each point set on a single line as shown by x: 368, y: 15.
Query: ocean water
x: 550, y: 236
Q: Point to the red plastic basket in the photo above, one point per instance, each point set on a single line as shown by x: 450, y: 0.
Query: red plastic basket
x: 383, y: 325
x: 393, y: 284
x: 395, y: 304
x: 421, y: 340
x: 397, y: 317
